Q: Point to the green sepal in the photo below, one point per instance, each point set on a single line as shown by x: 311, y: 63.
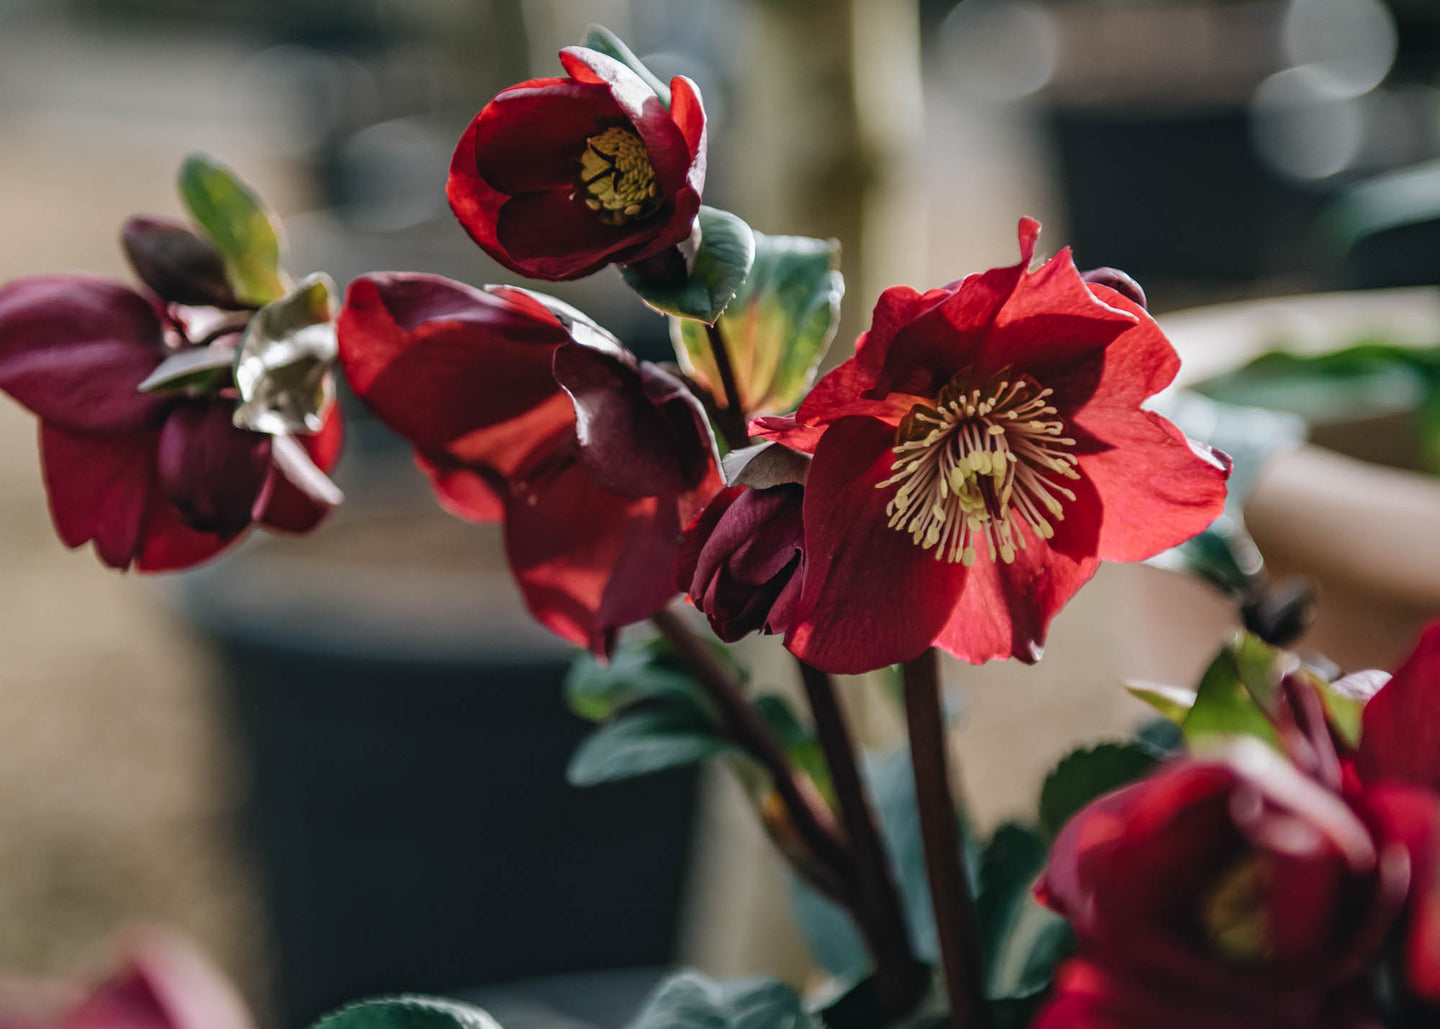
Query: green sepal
x: 233, y: 217
x: 598, y: 37
x: 1236, y: 693
x: 721, y: 261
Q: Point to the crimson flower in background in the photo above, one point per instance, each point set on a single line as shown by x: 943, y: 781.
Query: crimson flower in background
x: 522, y: 410
x: 977, y: 458
x: 162, y: 982
x: 1244, y: 892
x: 558, y: 177
x: 162, y: 480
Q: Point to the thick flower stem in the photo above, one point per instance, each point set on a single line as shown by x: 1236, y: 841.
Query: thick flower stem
x: 730, y: 419
x: 955, y: 918
x: 899, y: 978
x: 812, y: 820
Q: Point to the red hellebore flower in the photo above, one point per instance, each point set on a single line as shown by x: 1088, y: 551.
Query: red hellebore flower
x: 1231, y: 892
x: 162, y: 480
x: 521, y: 409
x: 557, y: 178
x: 977, y: 458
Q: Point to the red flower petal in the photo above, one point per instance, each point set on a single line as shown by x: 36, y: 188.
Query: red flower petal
x: 641, y: 432
x: 73, y: 349
x: 441, y: 363
x: 211, y: 471
x: 1004, y: 610
x: 530, y: 136
x: 1400, y: 737
x: 871, y: 597
x: 466, y: 493
x: 549, y: 236
x: 1412, y: 817
x: 1156, y: 489
x: 169, y: 545
x: 585, y: 576
x: 99, y: 487
x: 689, y: 115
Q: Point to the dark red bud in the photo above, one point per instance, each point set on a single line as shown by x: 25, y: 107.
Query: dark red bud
x: 176, y: 264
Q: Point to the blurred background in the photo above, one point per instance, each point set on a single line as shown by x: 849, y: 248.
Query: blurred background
x: 338, y: 762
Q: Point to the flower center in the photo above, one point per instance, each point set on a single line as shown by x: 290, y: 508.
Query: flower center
x: 983, y: 459
x: 1235, y: 915
x: 616, y: 178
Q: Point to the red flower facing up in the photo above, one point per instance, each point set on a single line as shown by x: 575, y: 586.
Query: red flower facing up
x: 975, y: 460
x: 521, y: 409
x: 163, y: 480
x: 557, y: 178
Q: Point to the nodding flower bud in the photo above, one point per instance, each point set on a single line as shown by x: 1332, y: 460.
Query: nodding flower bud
x: 1117, y: 280
x: 740, y: 560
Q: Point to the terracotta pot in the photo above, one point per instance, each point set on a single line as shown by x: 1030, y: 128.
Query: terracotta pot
x: 1346, y: 509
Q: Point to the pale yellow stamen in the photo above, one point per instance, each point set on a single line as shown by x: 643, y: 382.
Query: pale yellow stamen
x: 616, y: 178
x: 983, y: 461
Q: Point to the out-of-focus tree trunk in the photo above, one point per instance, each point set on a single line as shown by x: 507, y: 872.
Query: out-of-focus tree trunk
x: 829, y: 111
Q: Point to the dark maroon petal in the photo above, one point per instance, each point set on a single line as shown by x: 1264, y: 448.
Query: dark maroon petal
x: 1400, y: 737
x: 696, y: 535
x: 169, y: 545
x: 871, y: 596
x: 213, y: 473
x: 586, y: 560
x: 550, y: 236
x: 641, y: 432
x: 176, y: 264
x: 530, y: 136
x: 74, y: 349
x: 99, y: 487
x: 449, y: 367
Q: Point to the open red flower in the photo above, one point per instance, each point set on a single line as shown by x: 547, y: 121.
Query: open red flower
x: 521, y: 409
x: 1229, y: 892
x: 558, y: 177
x: 975, y: 460
x: 161, y: 480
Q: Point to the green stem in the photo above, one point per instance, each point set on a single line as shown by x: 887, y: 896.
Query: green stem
x: 955, y: 918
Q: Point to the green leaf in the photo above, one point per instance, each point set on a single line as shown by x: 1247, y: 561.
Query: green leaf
x: 1174, y: 702
x: 239, y: 225
x: 801, y: 746
x: 408, y: 1013
x: 598, y: 691
x: 1229, y: 700
x: 1085, y: 774
x: 285, y: 367
x: 693, y: 1001
x: 1023, y: 941
x: 1162, y: 737
x: 777, y: 327
x: 642, y: 741
x: 721, y: 263
x: 598, y: 37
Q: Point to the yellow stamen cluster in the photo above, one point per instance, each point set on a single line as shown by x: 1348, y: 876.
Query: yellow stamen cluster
x: 984, y: 459
x: 616, y: 178
x: 1235, y: 916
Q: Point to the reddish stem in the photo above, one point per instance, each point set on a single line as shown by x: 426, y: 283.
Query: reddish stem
x: 955, y: 918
